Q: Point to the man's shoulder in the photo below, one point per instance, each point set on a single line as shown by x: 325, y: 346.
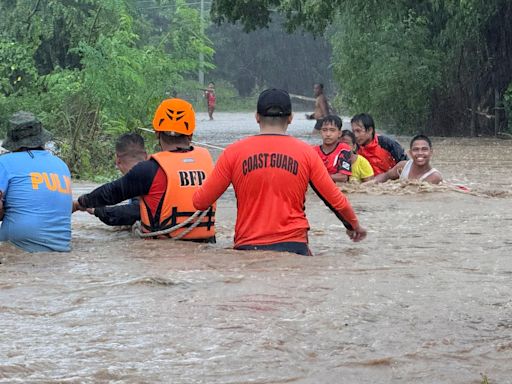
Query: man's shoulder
x: 5, y: 156
x: 284, y: 144
x: 276, y: 138
x: 385, y: 140
x: 145, y: 167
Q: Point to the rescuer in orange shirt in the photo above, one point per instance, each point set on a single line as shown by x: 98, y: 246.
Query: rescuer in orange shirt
x: 270, y: 173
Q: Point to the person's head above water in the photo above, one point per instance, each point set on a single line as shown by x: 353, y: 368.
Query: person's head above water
x: 421, y: 137
x: 25, y: 132
x: 331, y: 130
x: 318, y: 89
x: 274, y: 110
x: 174, y: 123
x: 349, y: 138
x: 130, y: 150
x: 363, y: 128
x: 334, y: 120
x: 421, y: 150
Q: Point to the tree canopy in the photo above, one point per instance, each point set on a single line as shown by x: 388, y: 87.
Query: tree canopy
x: 439, y: 66
x: 92, y: 69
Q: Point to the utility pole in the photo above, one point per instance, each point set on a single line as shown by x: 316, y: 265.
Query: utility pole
x: 201, y: 56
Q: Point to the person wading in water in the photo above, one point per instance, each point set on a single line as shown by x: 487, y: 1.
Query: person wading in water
x: 270, y: 173
x: 321, y: 107
x: 165, y: 182
x: 130, y: 151
x: 417, y: 168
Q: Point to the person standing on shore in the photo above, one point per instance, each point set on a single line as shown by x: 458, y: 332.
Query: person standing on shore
x: 209, y: 94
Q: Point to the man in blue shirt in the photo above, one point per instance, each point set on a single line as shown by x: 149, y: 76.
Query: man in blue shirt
x: 35, y: 190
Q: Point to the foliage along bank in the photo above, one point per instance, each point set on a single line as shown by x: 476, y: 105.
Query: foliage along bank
x: 93, y: 69
x: 439, y: 66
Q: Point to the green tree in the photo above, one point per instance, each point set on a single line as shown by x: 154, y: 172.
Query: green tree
x: 93, y: 69
x: 440, y: 65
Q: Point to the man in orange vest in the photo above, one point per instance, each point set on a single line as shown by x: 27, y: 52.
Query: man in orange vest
x: 166, y: 182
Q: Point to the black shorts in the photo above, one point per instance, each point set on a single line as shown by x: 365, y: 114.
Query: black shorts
x: 318, y: 124
x: 287, y: 246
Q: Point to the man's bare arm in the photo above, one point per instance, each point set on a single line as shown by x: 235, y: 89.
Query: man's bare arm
x: 339, y: 178
x: 392, y: 174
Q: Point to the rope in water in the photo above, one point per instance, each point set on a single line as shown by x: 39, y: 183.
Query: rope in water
x: 195, y: 218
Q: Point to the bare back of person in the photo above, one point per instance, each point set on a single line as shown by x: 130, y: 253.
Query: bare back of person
x: 321, y: 107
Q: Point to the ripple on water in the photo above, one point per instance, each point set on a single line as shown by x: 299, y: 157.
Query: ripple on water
x: 425, y: 298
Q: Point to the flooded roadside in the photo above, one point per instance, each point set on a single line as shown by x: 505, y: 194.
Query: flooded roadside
x: 425, y: 299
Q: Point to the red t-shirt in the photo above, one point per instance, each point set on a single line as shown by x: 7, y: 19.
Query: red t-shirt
x: 270, y: 175
x: 336, y: 161
x: 210, y: 98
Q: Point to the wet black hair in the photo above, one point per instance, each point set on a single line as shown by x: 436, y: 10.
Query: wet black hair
x: 320, y: 85
x: 421, y: 137
x: 333, y: 119
x: 130, y: 144
x: 349, y: 133
x: 366, y: 120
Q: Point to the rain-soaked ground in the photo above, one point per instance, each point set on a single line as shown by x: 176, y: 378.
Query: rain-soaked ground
x: 426, y: 298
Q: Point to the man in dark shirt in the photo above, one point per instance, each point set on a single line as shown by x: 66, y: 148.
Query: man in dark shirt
x: 129, y: 152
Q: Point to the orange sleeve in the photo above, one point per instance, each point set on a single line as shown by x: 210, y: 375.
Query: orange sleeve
x: 327, y: 190
x: 214, y: 185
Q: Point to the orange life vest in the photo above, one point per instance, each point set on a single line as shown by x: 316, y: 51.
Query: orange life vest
x: 186, y: 172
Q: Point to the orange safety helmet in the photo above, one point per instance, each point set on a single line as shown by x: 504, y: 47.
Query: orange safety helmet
x: 175, y: 115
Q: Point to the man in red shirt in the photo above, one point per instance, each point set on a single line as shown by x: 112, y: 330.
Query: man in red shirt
x: 270, y: 173
x: 334, y: 154
x: 209, y: 94
x: 382, y: 152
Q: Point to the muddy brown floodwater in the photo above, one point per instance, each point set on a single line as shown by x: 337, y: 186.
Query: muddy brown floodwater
x: 427, y: 298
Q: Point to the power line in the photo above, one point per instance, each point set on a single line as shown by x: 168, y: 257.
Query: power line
x: 164, y: 6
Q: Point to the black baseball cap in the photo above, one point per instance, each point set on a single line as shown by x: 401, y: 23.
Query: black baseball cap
x: 274, y: 102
